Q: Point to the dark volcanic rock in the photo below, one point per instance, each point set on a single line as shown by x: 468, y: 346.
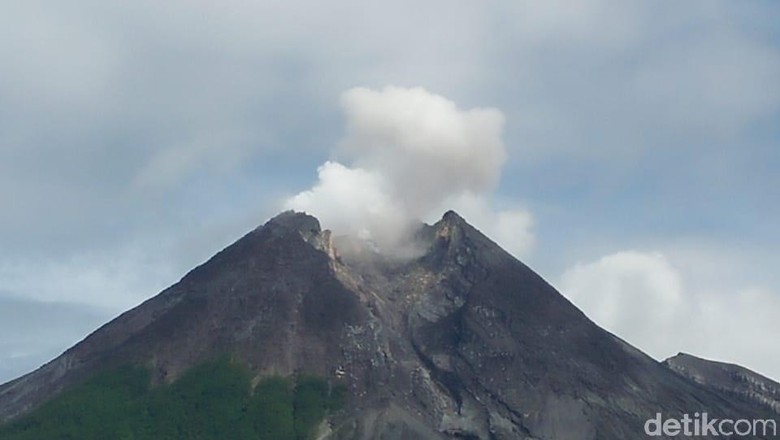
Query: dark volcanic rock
x: 462, y: 341
x: 729, y: 379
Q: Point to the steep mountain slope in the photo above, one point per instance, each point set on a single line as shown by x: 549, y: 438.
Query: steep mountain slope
x: 463, y: 341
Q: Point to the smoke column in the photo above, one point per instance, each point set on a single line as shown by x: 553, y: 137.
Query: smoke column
x: 409, y: 155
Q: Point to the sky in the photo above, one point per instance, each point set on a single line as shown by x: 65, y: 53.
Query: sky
x: 628, y: 150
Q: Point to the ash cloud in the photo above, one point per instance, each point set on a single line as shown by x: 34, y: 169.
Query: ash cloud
x: 409, y: 155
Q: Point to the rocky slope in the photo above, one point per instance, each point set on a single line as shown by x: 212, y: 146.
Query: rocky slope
x: 462, y: 341
x: 729, y: 379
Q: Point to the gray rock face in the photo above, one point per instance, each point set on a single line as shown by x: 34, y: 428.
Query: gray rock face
x: 729, y: 379
x: 462, y: 341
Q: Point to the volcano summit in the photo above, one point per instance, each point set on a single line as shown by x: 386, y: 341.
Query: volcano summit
x: 460, y: 341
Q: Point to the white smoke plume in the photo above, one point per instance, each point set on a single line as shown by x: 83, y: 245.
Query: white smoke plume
x: 409, y: 155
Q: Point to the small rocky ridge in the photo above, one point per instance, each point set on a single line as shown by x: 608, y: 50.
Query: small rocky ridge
x: 729, y: 379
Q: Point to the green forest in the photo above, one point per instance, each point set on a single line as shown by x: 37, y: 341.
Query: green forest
x: 214, y: 400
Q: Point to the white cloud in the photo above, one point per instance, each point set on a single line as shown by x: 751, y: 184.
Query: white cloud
x: 663, y: 309
x: 739, y: 326
x: 638, y: 296
x: 352, y: 200
x: 412, y: 154
x: 422, y: 144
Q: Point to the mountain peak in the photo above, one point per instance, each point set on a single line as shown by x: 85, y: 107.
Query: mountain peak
x: 453, y: 216
x: 303, y: 223
x: 459, y: 341
x: 450, y: 225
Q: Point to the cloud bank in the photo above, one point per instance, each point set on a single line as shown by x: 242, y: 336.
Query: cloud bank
x: 409, y: 155
x: 639, y: 296
x: 658, y: 305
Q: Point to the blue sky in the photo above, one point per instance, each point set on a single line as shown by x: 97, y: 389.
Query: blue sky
x: 138, y: 138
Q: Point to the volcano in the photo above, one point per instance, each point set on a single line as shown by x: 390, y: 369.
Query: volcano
x: 461, y: 340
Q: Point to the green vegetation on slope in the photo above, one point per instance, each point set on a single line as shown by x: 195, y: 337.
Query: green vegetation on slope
x: 214, y: 400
